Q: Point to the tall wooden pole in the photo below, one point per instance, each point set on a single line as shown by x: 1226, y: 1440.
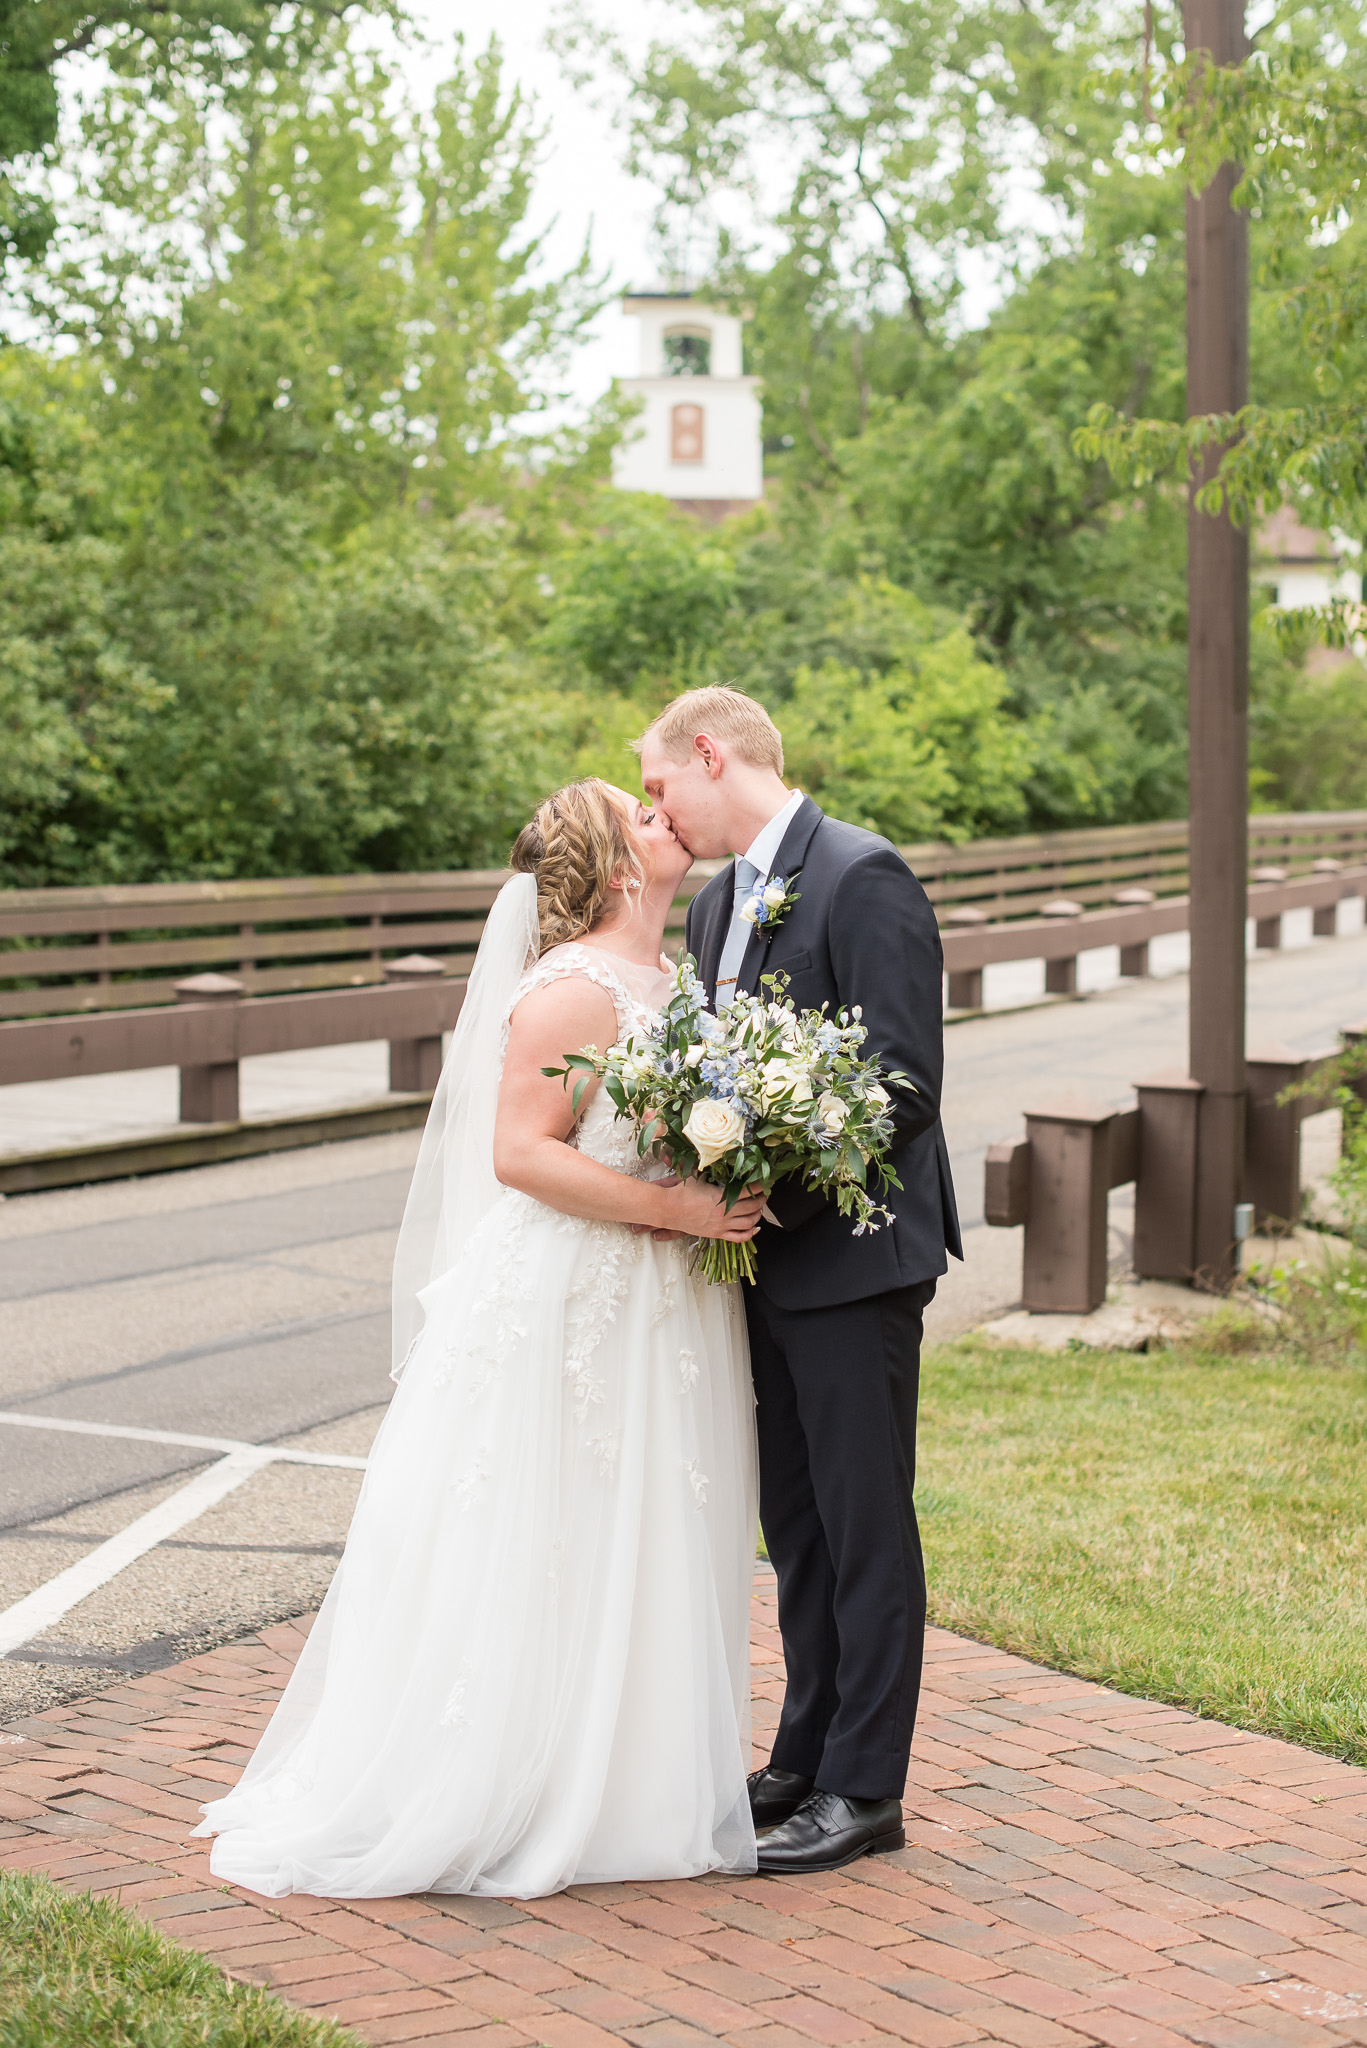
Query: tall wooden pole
x: 1217, y: 685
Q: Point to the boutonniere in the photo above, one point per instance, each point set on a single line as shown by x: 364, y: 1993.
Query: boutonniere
x: 768, y: 907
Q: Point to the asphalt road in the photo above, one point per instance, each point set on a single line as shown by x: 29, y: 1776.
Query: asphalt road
x: 248, y: 1304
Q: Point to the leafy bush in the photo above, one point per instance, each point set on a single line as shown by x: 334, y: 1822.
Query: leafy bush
x: 919, y: 753
x: 645, y: 595
x: 1308, y: 737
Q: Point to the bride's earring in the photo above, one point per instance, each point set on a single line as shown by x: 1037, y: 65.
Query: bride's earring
x: 633, y: 882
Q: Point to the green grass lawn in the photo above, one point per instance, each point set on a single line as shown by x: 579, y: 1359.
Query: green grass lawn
x: 77, y: 1972
x: 1189, y: 1527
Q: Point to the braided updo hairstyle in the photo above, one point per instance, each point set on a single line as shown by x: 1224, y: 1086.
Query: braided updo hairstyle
x: 574, y: 846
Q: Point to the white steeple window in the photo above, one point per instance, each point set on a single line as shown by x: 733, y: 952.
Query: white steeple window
x: 686, y: 433
x: 688, y: 352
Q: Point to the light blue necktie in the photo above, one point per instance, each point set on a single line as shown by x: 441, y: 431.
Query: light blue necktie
x: 738, y: 936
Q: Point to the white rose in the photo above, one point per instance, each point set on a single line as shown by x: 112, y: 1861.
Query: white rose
x: 832, y: 1112
x: 695, y: 1055
x: 773, y: 895
x: 790, y: 1037
x: 781, y: 1077
x: 748, y: 912
x: 879, y: 1095
x: 713, y: 1129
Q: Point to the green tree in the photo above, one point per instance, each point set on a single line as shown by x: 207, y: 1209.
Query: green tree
x: 344, y: 295
x: 273, y: 547
x: 163, y: 46
x: 1294, y: 118
x: 644, y: 596
x: 972, y: 466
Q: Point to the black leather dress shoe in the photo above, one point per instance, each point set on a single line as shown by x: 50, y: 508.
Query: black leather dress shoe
x: 827, y: 1831
x: 775, y: 1794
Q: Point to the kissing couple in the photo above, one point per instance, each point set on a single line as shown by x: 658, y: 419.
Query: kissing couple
x: 532, y: 1667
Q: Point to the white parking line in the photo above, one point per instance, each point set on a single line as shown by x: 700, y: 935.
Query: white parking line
x: 40, y: 1609
x: 48, y: 1603
x: 170, y: 1436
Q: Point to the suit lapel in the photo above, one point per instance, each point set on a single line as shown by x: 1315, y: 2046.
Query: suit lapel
x: 788, y: 863
x: 715, y: 903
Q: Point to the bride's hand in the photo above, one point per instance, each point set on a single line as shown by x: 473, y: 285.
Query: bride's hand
x: 702, y: 1212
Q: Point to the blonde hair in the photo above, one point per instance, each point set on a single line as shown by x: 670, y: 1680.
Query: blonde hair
x: 575, y: 846
x: 728, y: 714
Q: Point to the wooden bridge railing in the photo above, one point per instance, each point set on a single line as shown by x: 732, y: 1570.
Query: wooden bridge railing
x: 67, y: 951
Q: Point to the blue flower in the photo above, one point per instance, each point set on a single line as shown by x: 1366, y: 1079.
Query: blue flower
x: 770, y: 902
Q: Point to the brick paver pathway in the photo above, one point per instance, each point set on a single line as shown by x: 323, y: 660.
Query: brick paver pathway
x: 1081, y: 1867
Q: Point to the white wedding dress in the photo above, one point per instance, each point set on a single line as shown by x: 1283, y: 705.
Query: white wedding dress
x: 532, y: 1667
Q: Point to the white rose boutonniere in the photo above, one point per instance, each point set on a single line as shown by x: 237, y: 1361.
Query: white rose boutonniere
x: 714, y: 1128
x: 770, y: 904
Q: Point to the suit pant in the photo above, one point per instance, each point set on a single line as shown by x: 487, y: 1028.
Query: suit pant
x: 836, y: 1391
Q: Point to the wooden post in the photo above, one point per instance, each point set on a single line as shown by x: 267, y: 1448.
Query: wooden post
x: 1134, y: 960
x: 1006, y: 1183
x: 414, y: 1063
x: 1272, y: 1169
x: 1060, y: 975
x: 1324, y: 922
x: 1217, y: 685
x: 965, y: 984
x: 1165, y: 1189
x: 210, y: 1094
x: 1351, y: 1035
x: 1267, y: 931
x: 1065, y: 1239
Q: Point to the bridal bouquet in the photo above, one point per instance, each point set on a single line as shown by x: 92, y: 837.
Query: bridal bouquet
x: 751, y: 1098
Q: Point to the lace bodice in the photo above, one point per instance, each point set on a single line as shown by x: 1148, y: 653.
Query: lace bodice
x: 636, y: 993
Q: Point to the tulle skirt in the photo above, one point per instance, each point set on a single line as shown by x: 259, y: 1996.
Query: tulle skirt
x: 532, y: 1667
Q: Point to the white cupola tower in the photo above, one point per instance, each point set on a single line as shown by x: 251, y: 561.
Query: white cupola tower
x: 698, y: 438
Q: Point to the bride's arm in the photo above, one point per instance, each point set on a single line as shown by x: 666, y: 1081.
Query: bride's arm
x: 535, y: 1117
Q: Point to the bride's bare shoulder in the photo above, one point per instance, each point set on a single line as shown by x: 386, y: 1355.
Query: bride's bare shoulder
x: 563, y: 1002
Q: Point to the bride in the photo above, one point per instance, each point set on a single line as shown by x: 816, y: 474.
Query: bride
x: 532, y: 1667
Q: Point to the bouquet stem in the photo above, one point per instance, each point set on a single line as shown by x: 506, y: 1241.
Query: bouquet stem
x: 720, y: 1261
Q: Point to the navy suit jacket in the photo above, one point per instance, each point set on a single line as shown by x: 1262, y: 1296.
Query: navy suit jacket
x: 861, y: 932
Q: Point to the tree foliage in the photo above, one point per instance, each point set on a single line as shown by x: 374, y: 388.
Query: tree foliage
x: 988, y: 465
x: 271, y: 533
x: 1293, y: 117
x: 293, y: 576
x: 163, y: 46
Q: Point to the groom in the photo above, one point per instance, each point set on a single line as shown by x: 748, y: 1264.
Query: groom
x: 835, y: 1320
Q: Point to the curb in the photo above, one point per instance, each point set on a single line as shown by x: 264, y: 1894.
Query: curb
x: 25, y: 1173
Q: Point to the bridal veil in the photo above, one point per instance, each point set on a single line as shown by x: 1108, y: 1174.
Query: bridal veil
x: 454, y: 1185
